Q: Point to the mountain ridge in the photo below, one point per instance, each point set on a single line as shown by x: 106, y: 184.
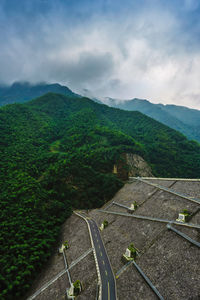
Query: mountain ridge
x: 181, y: 118
x: 20, y: 92
x: 57, y: 154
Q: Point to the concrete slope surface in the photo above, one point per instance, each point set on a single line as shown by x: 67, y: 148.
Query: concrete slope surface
x: 168, y: 254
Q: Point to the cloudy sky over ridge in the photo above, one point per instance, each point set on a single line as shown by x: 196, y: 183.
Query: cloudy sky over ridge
x: 122, y: 49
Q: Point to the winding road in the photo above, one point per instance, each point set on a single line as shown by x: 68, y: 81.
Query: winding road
x: 108, y: 283
x: 106, y: 273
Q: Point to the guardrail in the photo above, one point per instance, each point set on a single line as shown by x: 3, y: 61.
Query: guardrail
x: 94, y: 252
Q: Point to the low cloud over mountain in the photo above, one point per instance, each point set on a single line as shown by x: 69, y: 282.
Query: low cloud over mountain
x: 145, y: 49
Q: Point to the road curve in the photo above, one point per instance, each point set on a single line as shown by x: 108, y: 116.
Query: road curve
x: 106, y: 273
x: 108, y: 284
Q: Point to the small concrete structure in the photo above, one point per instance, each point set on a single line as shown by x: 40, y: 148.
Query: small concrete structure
x: 133, y: 207
x: 101, y: 227
x: 64, y: 246
x: 74, y: 290
x: 183, y: 217
x: 70, y: 292
x: 61, y: 249
x: 128, y: 253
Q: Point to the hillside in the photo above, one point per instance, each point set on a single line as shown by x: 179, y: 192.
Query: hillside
x: 57, y: 154
x: 20, y: 92
x: 169, y: 261
x: 49, y: 165
x: 168, y: 151
x: 180, y: 118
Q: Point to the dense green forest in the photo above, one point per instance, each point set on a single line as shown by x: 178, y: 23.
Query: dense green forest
x: 183, y: 119
x: 180, y: 118
x: 57, y: 154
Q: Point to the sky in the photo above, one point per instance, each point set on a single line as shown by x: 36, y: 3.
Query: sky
x: 148, y: 49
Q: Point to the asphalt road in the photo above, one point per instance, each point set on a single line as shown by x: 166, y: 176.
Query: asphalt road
x: 107, y: 277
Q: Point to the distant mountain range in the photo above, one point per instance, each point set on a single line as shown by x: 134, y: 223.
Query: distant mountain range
x: 180, y: 118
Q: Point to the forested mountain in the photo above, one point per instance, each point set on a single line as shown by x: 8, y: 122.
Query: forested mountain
x: 180, y: 118
x: 20, y: 92
x: 56, y: 154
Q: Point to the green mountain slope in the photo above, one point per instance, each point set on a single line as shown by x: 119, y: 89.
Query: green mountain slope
x: 20, y: 92
x: 56, y: 154
x: 168, y: 151
x: 50, y: 163
x: 180, y: 118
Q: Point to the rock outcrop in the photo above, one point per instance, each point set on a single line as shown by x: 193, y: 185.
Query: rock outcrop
x: 131, y: 165
x: 138, y: 166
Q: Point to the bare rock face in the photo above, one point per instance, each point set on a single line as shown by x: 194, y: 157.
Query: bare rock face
x: 131, y: 165
x: 137, y: 166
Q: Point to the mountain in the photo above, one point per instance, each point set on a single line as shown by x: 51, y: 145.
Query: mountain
x: 180, y: 118
x: 20, y: 92
x: 57, y: 154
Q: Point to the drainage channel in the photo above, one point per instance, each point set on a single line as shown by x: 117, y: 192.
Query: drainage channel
x: 66, y: 270
x: 66, y: 266
x: 149, y: 218
x: 44, y: 287
x: 183, y: 235
x: 192, y: 199
x: 169, y: 179
x: 123, y: 269
x: 80, y: 258
x: 154, y: 289
x: 142, y: 274
x: 121, y: 205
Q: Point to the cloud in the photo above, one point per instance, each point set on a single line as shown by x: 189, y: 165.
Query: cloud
x: 83, y: 69
x: 122, y: 50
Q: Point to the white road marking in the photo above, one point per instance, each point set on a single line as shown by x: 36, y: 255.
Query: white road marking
x: 108, y: 291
